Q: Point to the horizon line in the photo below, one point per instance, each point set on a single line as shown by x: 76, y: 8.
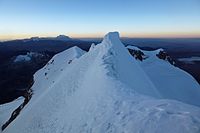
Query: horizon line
x: 101, y: 35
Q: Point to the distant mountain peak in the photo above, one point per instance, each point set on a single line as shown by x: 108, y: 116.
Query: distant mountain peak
x: 63, y: 38
x: 58, y: 38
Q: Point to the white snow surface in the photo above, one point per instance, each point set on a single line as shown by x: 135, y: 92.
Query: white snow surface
x: 7, y: 109
x: 92, y: 46
x: 170, y: 81
x: 105, y: 90
x: 50, y: 73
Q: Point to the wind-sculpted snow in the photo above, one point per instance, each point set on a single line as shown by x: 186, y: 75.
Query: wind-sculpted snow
x: 54, y: 68
x: 92, y: 46
x: 170, y: 81
x: 103, y: 91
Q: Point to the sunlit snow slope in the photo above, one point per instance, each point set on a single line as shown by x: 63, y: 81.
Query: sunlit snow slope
x: 104, y: 90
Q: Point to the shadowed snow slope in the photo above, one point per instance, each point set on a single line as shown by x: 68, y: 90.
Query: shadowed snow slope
x: 7, y: 109
x: 170, y: 81
x: 105, y: 90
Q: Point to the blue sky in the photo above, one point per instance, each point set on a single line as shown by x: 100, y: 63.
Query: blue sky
x: 93, y: 18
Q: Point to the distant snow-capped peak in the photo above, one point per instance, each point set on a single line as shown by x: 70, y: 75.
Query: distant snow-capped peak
x: 58, y: 38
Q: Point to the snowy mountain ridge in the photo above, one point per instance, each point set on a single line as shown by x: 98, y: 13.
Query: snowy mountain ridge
x: 170, y: 81
x: 57, y: 38
x: 107, y: 90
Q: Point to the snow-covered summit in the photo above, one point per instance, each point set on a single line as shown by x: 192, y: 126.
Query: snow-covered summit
x: 103, y: 90
x: 112, y: 38
x: 55, y: 67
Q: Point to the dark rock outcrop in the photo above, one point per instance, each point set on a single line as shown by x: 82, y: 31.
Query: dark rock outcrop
x: 27, y: 96
x: 138, y: 54
x: 165, y: 56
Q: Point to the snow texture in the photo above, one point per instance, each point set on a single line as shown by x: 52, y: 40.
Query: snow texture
x: 106, y: 90
x: 7, y: 109
x: 170, y: 81
x: 92, y: 47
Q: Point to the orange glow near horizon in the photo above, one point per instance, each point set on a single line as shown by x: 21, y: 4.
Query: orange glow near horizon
x: 79, y: 19
x: 100, y: 35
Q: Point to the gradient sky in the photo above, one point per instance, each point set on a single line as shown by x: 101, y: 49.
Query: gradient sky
x: 93, y: 18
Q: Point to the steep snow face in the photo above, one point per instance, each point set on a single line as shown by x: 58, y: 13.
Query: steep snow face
x: 124, y: 68
x: 101, y: 92
x: 7, y: 109
x: 52, y: 70
x: 92, y: 47
x: 43, y: 78
x: 170, y: 81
